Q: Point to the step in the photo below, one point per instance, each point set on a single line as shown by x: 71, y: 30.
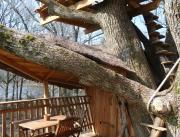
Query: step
x: 161, y: 36
x: 154, y: 34
x: 160, y: 43
x: 157, y: 37
x: 167, y: 62
x: 165, y: 52
x: 151, y: 16
x: 154, y: 26
x: 159, y: 26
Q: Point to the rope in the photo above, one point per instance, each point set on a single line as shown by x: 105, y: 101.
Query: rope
x: 162, y: 83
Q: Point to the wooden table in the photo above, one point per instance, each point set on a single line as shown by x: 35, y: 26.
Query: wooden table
x: 39, y: 124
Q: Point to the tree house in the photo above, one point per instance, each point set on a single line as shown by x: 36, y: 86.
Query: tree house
x: 107, y: 115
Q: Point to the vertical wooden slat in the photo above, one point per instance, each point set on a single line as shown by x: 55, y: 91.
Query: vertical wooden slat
x: 12, y: 125
x: 26, y: 110
x: 31, y: 110
x: 3, y: 124
x: 37, y: 110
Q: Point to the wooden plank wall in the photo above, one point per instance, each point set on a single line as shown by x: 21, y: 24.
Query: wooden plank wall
x: 106, y: 114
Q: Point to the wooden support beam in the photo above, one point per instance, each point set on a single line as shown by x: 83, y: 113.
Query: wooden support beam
x: 91, y: 29
x: 46, y: 95
x: 12, y: 64
x: 144, y: 8
x: 4, y: 124
x: 48, y: 19
x: 154, y: 127
x: 48, y: 75
x: 46, y: 89
x: 76, y: 6
x: 159, y: 124
x: 81, y: 4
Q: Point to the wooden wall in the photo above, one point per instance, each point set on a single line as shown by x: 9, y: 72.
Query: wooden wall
x: 106, y: 114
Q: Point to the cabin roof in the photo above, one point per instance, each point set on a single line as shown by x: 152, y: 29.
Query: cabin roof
x: 40, y: 73
x: 36, y: 72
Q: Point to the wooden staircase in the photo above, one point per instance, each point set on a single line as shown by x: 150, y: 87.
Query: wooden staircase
x: 162, y: 50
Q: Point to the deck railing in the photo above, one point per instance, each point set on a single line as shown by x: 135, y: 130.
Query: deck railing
x: 15, y: 112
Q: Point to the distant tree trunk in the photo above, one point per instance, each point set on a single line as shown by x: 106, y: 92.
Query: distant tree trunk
x: 60, y: 88
x: 21, y: 88
x: 75, y: 33
x: 17, y: 89
x: 76, y: 92
x: 14, y: 87
x: 53, y: 91
x: 7, y: 85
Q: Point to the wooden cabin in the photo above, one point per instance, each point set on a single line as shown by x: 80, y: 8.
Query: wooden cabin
x: 100, y: 112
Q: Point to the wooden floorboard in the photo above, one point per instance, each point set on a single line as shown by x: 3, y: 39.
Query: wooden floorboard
x: 89, y: 134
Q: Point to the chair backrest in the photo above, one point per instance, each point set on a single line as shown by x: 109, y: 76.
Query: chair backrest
x: 66, y: 127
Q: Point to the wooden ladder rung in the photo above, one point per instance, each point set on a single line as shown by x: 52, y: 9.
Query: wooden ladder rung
x: 154, y: 34
x: 161, y: 36
x: 167, y: 62
x: 151, y: 16
x: 157, y: 42
x: 166, y: 52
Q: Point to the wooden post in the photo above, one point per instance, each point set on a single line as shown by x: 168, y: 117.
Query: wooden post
x: 46, y: 95
x: 3, y: 124
x: 158, y: 122
x: 12, y: 125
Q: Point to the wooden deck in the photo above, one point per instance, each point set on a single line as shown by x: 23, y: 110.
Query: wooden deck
x: 89, y: 134
x: 15, y: 112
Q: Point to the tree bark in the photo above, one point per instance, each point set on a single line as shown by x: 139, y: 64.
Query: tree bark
x: 121, y: 39
x: 122, y: 42
x: 172, y: 10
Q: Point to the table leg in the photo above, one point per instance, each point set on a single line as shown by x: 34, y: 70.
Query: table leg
x: 21, y: 132
x: 32, y: 132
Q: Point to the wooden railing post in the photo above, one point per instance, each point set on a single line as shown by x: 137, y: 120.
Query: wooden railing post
x: 3, y: 124
x: 12, y: 125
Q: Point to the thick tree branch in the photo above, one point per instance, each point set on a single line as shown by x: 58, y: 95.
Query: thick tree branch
x: 58, y: 9
x: 93, y: 53
x: 90, y: 73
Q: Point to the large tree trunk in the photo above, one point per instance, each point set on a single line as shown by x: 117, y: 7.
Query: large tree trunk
x: 121, y: 39
x: 172, y: 10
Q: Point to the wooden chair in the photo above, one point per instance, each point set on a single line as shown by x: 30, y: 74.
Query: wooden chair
x: 67, y: 128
